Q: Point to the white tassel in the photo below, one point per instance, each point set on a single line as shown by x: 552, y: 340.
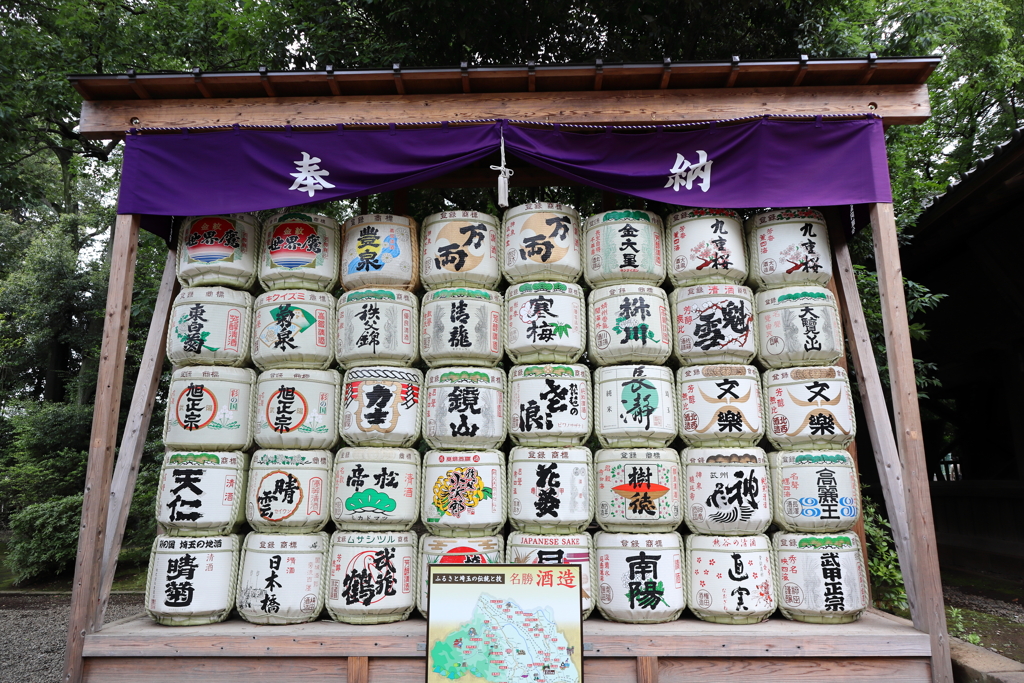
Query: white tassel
x: 504, y: 174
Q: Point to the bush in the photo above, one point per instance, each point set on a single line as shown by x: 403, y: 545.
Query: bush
x: 887, y: 587
x: 44, y: 538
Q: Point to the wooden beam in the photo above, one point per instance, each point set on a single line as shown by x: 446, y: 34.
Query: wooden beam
x: 598, y: 74
x: 358, y: 670
x: 799, y: 78
x: 733, y: 72
x: 332, y: 82
x: 197, y: 75
x: 134, y: 440
x: 646, y: 670
x: 897, y: 104
x: 268, y: 87
x: 92, y: 529
x: 929, y: 615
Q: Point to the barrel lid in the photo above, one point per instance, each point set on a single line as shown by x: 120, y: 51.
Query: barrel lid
x: 463, y: 458
x: 541, y: 207
x: 332, y: 377
x: 790, y: 542
x: 315, y: 218
x: 581, y: 540
x: 803, y: 374
x: 377, y: 294
x: 214, y: 373
x: 605, y: 540
x: 381, y: 454
x: 227, y: 459
x: 554, y: 454
x: 467, y: 375
x: 620, y: 372
x: 212, y: 295
x: 691, y: 214
x: 374, y: 538
x: 276, y: 297
x: 286, y: 543
x: 724, y: 456
x: 693, y: 373
x: 810, y: 458
x: 624, y: 215
x: 731, y: 544
x: 778, y: 216
x: 462, y: 293
x: 246, y: 218
x: 712, y: 290
x: 795, y: 295
x: 667, y: 455
x: 272, y: 457
x: 550, y: 370
x: 544, y: 287
x: 376, y: 372
x: 461, y: 215
x: 207, y: 544
x: 380, y: 219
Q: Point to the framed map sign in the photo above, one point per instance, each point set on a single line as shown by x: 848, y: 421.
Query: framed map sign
x: 506, y: 623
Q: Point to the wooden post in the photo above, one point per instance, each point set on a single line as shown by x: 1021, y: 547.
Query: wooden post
x: 646, y: 670
x: 92, y: 529
x: 358, y: 670
x: 134, y: 440
x: 930, y: 614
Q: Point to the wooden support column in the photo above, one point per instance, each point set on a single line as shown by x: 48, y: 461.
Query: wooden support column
x: 92, y: 529
x: 929, y: 613
x: 134, y: 440
x: 358, y: 670
x: 646, y: 670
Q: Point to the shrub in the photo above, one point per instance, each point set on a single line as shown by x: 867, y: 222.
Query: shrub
x: 44, y: 538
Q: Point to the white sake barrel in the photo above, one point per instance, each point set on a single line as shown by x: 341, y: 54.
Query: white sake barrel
x: 300, y: 251
x: 798, y: 326
x: 380, y: 250
x: 550, y: 490
x: 377, y: 327
x: 531, y: 548
x: 218, y: 250
x: 640, y: 577
x: 376, y: 489
x: 373, y: 576
x: 381, y: 406
x: 542, y: 242
x: 545, y: 322
x: 815, y: 492
x: 730, y: 578
x: 297, y: 409
x: 465, y: 408
x: 638, y: 489
x: 728, y: 491
x: 714, y: 324
x: 210, y: 326
x: 286, y: 491
x: 460, y: 248
x: 550, y: 405
x: 625, y: 245
x: 461, y: 326
x: 201, y: 494
x: 821, y: 577
x: 463, y: 492
x: 809, y: 408
x: 788, y: 247
x: 707, y: 245
x: 439, y: 550
x: 629, y: 324
x: 210, y: 408
x: 291, y: 329
x: 720, y: 405
x: 635, y: 406
x: 282, y: 578
x: 191, y: 581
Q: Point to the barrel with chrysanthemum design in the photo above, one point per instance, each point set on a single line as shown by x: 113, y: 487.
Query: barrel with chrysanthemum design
x: 463, y: 492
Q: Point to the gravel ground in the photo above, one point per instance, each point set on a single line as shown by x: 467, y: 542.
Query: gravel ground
x: 33, y: 630
x: 955, y: 597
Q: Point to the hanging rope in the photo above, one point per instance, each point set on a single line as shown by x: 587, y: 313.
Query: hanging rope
x: 504, y: 173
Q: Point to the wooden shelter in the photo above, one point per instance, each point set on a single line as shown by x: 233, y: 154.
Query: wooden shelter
x: 878, y: 646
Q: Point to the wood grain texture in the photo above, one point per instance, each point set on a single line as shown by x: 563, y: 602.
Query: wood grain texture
x: 646, y: 670
x: 929, y: 612
x: 609, y: 670
x: 852, y: 670
x: 397, y: 669
x: 897, y: 104
x: 218, y: 670
x: 358, y: 670
x: 103, y: 439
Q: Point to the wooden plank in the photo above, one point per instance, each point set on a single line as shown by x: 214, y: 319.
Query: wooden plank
x: 609, y: 670
x: 217, y: 670
x: 92, y: 529
x: 779, y: 670
x: 929, y: 611
x: 358, y: 670
x: 898, y: 104
x: 134, y: 439
x: 647, y: 670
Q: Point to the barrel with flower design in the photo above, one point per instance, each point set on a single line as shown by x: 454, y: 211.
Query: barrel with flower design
x: 373, y: 576
x: 288, y: 491
x: 541, y: 242
x: 297, y: 409
x: 300, y: 250
x: 218, y: 250
x: 380, y: 250
x: 720, y: 405
x: 463, y: 492
x: 706, y: 245
x: 281, y: 578
x: 730, y: 579
x: 460, y: 248
x: 210, y: 408
x: 714, y: 324
x: 466, y: 550
x: 210, y: 326
x: 821, y: 577
x: 788, y: 247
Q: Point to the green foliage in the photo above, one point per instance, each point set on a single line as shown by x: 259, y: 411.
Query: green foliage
x: 44, y: 538
x: 957, y: 628
x: 884, y: 572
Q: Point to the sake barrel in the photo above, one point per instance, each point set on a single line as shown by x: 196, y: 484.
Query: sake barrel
x: 300, y: 251
x: 551, y: 549
x: 373, y: 576
x: 638, y: 490
x: 218, y: 250
x: 714, y: 324
x: 798, y: 326
x: 788, y: 247
x: 376, y: 489
x: 461, y: 326
x: 201, y: 494
x: 460, y: 248
x: 550, y: 405
x: 209, y: 408
x: 550, y: 490
x: 720, y: 405
x: 545, y: 322
x: 815, y: 491
x: 286, y: 491
x: 439, y: 550
x: 210, y: 326
x: 282, y: 578
x: 291, y: 329
x: 635, y: 406
x: 728, y: 491
x: 706, y: 246
x: 463, y: 492
x: 191, y: 581
x: 809, y: 408
x: 640, y: 577
x: 381, y: 406
x: 629, y: 324
x: 730, y: 578
x: 297, y: 409
x: 542, y: 242
x: 625, y: 245
x: 465, y: 408
x: 377, y: 327
x: 821, y: 577
x: 380, y: 250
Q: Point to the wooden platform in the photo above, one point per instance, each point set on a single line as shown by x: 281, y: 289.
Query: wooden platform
x: 879, y: 646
